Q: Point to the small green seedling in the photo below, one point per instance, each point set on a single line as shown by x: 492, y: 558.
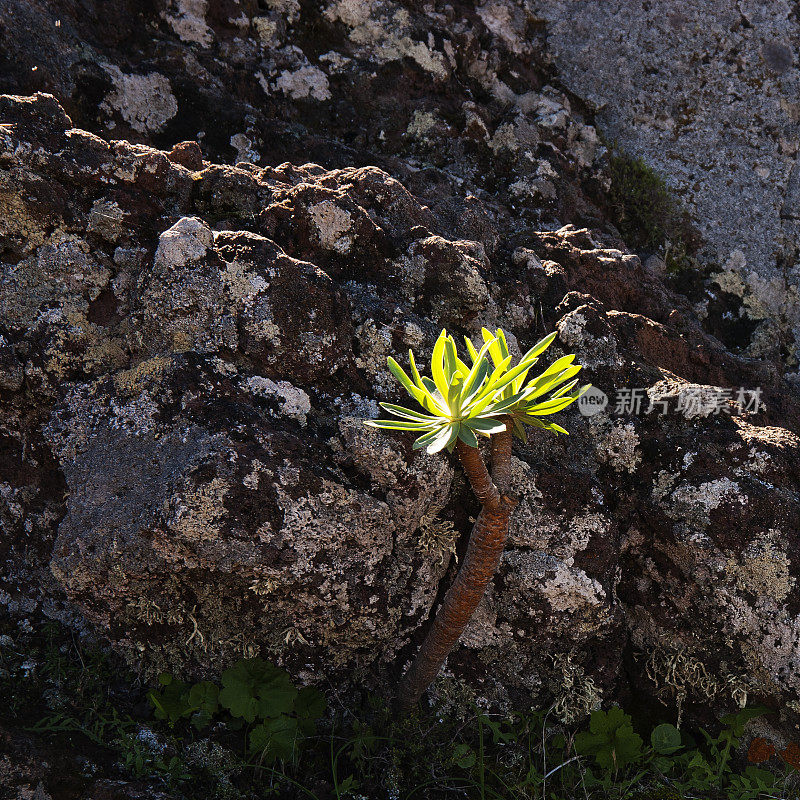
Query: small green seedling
x: 461, y: 402
x: 255, y: 693
x: 611, y: 740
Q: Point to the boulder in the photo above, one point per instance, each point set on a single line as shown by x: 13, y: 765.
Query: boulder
x: 185, y: 464
x: 217, y: 221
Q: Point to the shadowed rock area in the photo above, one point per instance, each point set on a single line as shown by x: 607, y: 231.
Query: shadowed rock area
x: 707, y: 93
x: 188, y: 347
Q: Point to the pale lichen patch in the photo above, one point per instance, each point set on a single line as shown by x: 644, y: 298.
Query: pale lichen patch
x: 189, y: 239
x: 577, y: 694
x: 307, y: 81
x: 188, y: 19
x: 483, y: 629
x: 105, y: 219
x: 677, y: 674
x: 245, y: 150
x: 332, y: 224
x: 145, y: 102
x: 266, y: 30
x: 502, y: 21
x: 617, y: 444
x: 130, y: 382
x: 505, y: 138
x: 593, y: 351
x: 437, y: 537
x: 695, y: 503
x: 763, y: 568
x: 757, y: 462
x: 381, y: 30
x: 294, y: 402
x: 373, y: 453
x: 663, y: 483
x: 375, y: 344
x: 243, y: 284
x: 571, y: 590
x: 422, y: 123
x: 200, y: 512
x: 289, y: 9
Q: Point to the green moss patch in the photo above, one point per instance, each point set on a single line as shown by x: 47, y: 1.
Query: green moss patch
x: 648, y: 215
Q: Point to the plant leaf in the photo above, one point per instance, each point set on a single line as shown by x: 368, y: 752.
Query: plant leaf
x: 414, y: 370
x: 501, y: 340
x: 474, y: 382
x: 476, y: 375
x: 445, y: 438
x: 440, y: 378
x: 450, y: 359
x: 405, y: 381
x: 473, y: 353
x: 540, y: 423
x: 454, y: 394
x: 550, y: 406
x: 398, y: 425
x: 485, y: 425
x: 533, y: 355
x: 495, y: 350
x: 488, y: 389
x: 666, y: 739
x: 427, y: 438
x: 428, y: 402
x: 557, y: 366
x: 467, y: 436
x: 435, y: 397
x: 504, y: 405
x: 545, y: 382
x: 461, y: 367
x: 402, y: 411
x: 512, y: 374
x: 543, y: 344
x: 564, y: 389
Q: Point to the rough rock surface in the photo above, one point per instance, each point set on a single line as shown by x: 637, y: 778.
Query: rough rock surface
x: 707, y: 93
x: 188, y: 347
x: 183, y: 437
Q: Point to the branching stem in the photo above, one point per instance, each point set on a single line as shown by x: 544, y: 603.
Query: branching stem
x: 501, y: 458
x: 484, y: 550
x: 479, y: 478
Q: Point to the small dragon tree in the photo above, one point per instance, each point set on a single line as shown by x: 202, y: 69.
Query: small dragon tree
x: 460, y: 403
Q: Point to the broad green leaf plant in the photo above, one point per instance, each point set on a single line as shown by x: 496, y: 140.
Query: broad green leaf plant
x: 461, y: 403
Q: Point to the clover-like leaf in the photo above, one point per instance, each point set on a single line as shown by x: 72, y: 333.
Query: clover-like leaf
x: 309, y: 706
x: 204, y: 697
x: 274, y: 738
x: 610, y: 739
x: 276, y: 697
x: 252, y: 687
x: 666, y: 739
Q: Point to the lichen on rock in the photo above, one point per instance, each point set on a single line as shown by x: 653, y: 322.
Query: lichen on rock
x: 215, y: 230
x: 145, y: 102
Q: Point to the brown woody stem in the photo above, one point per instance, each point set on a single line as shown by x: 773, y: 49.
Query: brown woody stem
x: 486, y: 543
x: 501, y: 458
x: 478, y: 475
